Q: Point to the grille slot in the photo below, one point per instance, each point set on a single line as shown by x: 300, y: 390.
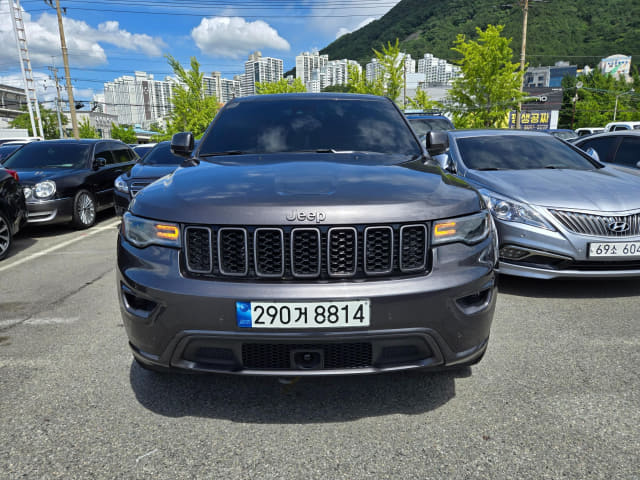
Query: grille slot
x: 135, y: 187
x: 276, y: 356
x: 268, y: 248
x: 342, y: 252
x: 198, y: 249
x: 233, y: 254
x: 305, y: 252
x: 378, y: 250
x: 288, y: 253
x: 597, y: 225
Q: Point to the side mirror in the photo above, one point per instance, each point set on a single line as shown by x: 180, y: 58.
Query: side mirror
x: 638, y: 165
x: 182, y: 144
x: 593, y: 154
x: 99, y: 162
x: 437, y: 142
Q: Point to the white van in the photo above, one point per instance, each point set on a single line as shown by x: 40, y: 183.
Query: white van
x: 582, y: 131
x: 615, y: 126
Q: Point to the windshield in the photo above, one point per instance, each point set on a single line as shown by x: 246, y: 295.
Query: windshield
x: 519, y: 152
x: 6, y: 150
x: 143, y: 150
x: 425, y: 125
x: 161, y: 155
x: 568, y: 135
x: 49, y: 155
x: 294, y: 125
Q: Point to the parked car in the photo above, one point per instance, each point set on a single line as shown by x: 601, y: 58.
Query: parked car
x: 306, y: 236
x: 143, y: 148
x: 559, y: 212
x: 13, y: 210
x: 562, y: 133
x: 423, y: 122
x: 615, y: 126
x: 583, y: 131
x: 618, y: 148
x: 70, y: 180
x: 160, y: 161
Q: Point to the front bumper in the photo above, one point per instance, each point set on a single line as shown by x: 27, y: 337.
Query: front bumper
x: 435, y: 320
x: 532, y: 252
x: 59, y: 210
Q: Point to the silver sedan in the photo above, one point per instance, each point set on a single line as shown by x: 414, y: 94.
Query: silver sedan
x: 559, y: 212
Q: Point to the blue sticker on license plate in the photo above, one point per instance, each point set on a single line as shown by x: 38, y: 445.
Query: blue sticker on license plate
x: 243, y: 314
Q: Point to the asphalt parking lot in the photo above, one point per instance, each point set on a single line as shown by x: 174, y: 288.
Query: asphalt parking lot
x: 556, y: 396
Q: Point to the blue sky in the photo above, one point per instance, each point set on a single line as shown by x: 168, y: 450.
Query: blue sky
x: 110, y: 38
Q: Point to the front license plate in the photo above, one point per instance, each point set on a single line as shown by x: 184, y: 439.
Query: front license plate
x: 353, y: 313
x: 614, y: 250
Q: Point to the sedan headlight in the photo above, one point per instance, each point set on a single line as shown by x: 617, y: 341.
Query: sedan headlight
x: 121, y: 185
x: 44, y: 190
x: 142, y: 232
x: 508, y: 210
x: 470, y: 229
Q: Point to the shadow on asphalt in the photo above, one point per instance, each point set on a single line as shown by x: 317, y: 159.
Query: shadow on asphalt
x: 308, y: 400
x: 569, y: 288
x: 44, y: 231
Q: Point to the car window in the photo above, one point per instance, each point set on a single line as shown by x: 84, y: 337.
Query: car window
x: 519, y: 152
x: 628, y: 153
x: 121, y: 154
x: 605, y: 146
x: 49, y: 155
x: 619, y: 127
x: 309, y: 125
x: 161, y: 155
x: 425, y: 125
x: 6, y: 150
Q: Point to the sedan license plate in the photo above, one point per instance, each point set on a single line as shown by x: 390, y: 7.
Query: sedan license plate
x: 614, y: 250
x: 353, y: 313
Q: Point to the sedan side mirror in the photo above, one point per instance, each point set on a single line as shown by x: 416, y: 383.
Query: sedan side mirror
x: 593, y: 154
x: 99, y: 162
x: 182, y: 144
x: 437, y: 142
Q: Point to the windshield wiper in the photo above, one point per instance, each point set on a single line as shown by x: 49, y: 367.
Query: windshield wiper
x: 488, y: 169
x: 220, y: 154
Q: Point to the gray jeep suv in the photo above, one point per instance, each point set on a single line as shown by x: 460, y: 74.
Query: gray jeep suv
x: 306, y: 235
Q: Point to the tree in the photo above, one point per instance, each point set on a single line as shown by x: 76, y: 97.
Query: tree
x: 86, y: 130
x: 358, y: 82
x: 490, y: 84
x: 192, y: 110
x: 392, y: 61
x: 422, y: 102
x: 124, y: 133
x: 49, y: 123
x: 281, y: 86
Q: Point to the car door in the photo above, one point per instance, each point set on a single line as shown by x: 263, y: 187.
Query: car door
x: 100, y: 180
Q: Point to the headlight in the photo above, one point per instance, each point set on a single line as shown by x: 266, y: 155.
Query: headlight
x: 142, y: 232
x: 121, y: 185
x: 509, y: 210
x: 470, y: 229
x: 44, y: 190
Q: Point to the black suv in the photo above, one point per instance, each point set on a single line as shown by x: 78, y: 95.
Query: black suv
x: 70, y: 180
x: 306, y: 235
x: 13, y: 210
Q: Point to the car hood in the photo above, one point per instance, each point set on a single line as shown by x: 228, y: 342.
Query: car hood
x: 31, y: 177
x: 265, y: 192
x: 605, y: 189
x: 141, y: 170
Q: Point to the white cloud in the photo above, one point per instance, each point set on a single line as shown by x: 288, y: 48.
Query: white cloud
x: 83, y: 41
x: 234, y: 37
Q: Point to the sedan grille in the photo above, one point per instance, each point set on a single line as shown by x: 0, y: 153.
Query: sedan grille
x: 599, y: 225
x: 135, y: 187
x: 299, y: 253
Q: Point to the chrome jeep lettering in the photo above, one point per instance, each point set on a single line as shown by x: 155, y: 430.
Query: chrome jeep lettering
x: 302, y: 216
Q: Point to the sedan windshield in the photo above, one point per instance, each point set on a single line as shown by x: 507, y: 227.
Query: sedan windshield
x: 520, y: 152
x: 49, y: 155
x: 161, y: 155
x: 309, y: 125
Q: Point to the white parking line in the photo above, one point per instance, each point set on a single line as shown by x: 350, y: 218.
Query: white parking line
x: 88, y: 234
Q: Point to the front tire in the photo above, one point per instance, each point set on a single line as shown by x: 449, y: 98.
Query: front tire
x: 6, y: 238
x: 84, y: 210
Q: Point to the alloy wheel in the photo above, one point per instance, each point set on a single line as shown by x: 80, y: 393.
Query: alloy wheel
x: 86, y: 209
x: 5, y: 236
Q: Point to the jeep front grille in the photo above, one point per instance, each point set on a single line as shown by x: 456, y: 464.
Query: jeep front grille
x: 299, y: 253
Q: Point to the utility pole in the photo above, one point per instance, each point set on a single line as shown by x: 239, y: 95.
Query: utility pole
x: 65, y: 59
x: 25, y: 66
x: 525, y: 10
x: 54, y: 72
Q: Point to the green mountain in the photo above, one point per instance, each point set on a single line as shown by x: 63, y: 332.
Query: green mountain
x: 579, y: 31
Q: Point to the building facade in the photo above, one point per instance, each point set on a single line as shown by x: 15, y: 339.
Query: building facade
x: 307, y: 62
x: 259, y: 69
x: 12, y: 102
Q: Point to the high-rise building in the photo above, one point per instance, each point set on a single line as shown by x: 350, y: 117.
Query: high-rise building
x: 307, y: 62
x: 335, y: 72
x: 437, y: 70
x: 222, y: 88
x: 259, y: 69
